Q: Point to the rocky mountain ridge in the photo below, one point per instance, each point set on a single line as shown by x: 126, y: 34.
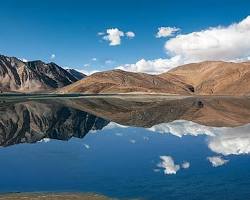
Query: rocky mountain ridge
x: 33, y: 76
x: 204, y: 78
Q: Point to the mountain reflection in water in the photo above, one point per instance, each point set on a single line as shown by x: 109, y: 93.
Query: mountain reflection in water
x: 32, y: 120
x: 221, y: 125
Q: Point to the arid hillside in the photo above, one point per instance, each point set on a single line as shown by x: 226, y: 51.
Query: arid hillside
x: 215, y: 78
x: 205, y: 78
x: 118, y: 81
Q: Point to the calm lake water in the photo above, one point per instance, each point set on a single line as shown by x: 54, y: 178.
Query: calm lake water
x: 145, y: 148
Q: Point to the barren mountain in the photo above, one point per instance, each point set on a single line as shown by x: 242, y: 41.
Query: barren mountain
x: 78, y: 75
x: 34, y: 76
x: 118, y: 81
x: 215, y: 77
x: 205, y: 78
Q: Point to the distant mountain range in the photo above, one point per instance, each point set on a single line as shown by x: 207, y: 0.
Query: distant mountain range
x: 205, y: 78
x: 78, y: 75
x: 34, y: 76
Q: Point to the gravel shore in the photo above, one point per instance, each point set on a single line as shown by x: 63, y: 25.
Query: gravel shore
x: 49, y: 196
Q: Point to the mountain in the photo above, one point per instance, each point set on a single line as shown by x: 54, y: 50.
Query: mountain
x: 78, y: 75
x: 118, y: 81
x: 33, y: 76
x: 205, y: 78
x: 215, y: 77
x: 31, y: 121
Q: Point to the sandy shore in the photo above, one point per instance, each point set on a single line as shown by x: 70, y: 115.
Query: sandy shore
x: 48, y: 196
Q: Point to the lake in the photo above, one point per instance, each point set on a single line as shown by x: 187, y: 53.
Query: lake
x: 127, y: 147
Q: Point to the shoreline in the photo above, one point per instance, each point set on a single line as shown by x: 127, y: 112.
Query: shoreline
x: 53, y: 196
x: 110, y: 95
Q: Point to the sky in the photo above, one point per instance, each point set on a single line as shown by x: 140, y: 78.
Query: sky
x: 149, y: 36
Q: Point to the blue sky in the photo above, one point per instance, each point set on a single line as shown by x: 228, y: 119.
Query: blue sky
x: 69, y: 28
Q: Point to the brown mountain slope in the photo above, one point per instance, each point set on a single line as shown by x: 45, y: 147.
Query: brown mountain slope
x: 215, y: 77
x: 205, y: 78
x: 118, y: 81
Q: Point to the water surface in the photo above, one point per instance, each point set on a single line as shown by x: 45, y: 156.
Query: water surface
x: 146, y: 148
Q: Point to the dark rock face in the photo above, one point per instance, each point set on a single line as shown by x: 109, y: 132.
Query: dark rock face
x: 78, y: 75
x: 33, y: 76
x: 31, y: 121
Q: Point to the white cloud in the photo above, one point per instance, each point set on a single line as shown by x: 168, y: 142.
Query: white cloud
x: 130, y: 34
x: 215, y: 43
x: 166, y: 31
x: 230, y: 43
x: 217, y: 161
x: 185, y: 165
x: 114, y: 35
x: 132, y: 141
x: 94, y: 59
x: 86, y: 146
x: 46, y: 140
x: 109, y: 62
x: 231, y: 141
x: 113, y: 125
x: 88, y: 72
x: 168, y: 164
x: 156, y: 170
x: 24, y: 60
x: 181, y: 128
x: 146, y: 138
x: 100, y: 33
x: 118, y: 134
x: 153, y: 66
x: 53, y: 56
x: 86, y: 65
x: 221, y: 140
